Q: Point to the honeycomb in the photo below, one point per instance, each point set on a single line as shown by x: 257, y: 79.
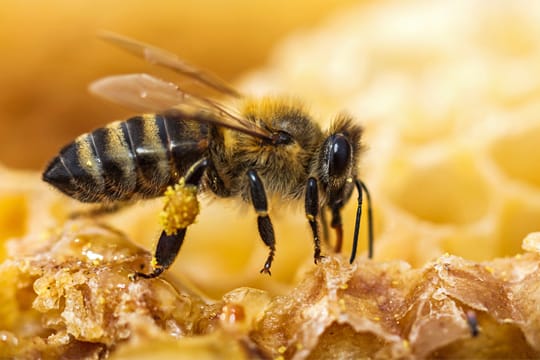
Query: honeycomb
x: 450, y: 101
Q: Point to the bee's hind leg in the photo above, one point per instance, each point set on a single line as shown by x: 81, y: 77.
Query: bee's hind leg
x: 266, y: 230
x: 169, y: 242
x: 167, y: 248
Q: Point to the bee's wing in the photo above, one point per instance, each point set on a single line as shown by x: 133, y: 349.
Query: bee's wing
x: 140, y: 92
x: 146, y: 93
x: 164, y: 58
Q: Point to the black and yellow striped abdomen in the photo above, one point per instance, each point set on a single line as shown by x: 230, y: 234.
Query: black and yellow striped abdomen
x: 136, y: 158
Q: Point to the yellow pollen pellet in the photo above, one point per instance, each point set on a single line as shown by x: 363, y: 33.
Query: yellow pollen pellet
x: 181, y: 207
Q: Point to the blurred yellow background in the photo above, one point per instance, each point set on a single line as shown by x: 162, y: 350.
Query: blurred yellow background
x: 50, y: 53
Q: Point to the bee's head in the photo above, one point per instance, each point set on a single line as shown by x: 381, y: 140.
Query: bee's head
x: 338, y: 158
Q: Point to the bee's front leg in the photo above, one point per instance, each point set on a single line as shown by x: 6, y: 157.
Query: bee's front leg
x: 266, y: 230
x: 361, y: 187
x: 312, y: 210
x: 337, y: 225
x: 169, y: 242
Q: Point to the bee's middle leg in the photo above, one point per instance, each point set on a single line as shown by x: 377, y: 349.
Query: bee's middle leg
x: 266, y: 230
x: 312, y: 210
x: 168, y: 246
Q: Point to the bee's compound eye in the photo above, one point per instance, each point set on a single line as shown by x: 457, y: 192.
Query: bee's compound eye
x: 339, y: 154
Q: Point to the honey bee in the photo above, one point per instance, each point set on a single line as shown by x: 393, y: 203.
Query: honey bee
x: 269, y: 146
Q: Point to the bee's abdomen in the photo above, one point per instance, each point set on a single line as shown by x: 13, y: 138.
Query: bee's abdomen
x: 136, y: 158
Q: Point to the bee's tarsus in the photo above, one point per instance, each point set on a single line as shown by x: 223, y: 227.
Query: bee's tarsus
x: 266, y: 270
x: 266, y: 232
x: 268, y: 263
x: 317, y: 258
x: 154, y: 274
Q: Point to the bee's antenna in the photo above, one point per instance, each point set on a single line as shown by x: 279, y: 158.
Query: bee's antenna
x: 361, y: 187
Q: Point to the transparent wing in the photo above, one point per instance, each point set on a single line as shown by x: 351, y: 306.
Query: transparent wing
x: 166, y: 59
x: 146, y: 93
x: 140, y: 92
